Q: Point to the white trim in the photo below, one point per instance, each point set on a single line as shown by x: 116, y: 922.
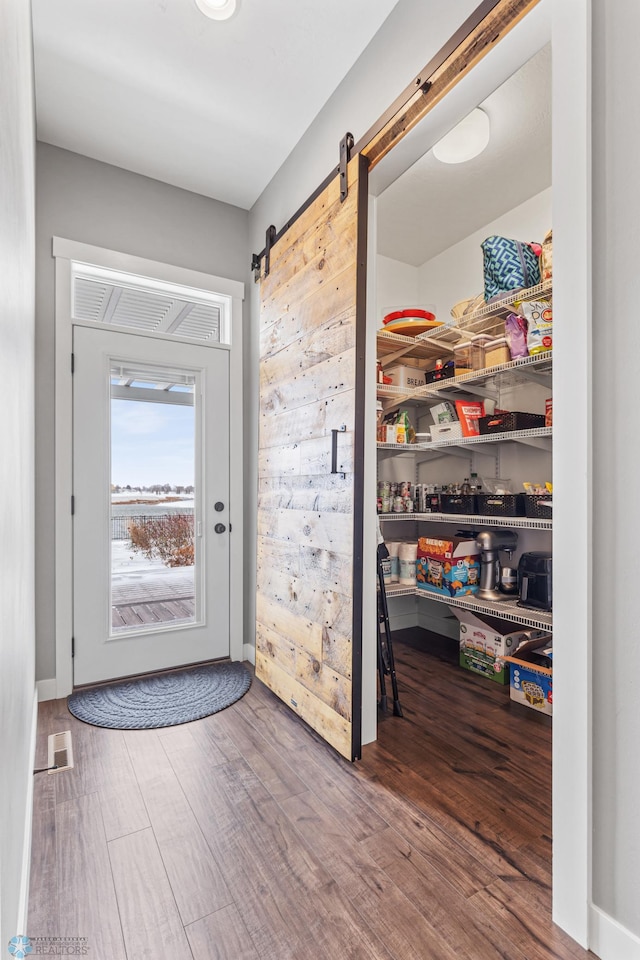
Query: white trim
x: 236, y: 495
x: 572, y: 531
x: 249, y: 653
x: 23, y: 901
x: 47, y: 689
x: 609, y: 940
x: 112, y: 259
x: 152, y: 334
x: 370, y: 624
x: 63, y: 448
x: 64, y: 252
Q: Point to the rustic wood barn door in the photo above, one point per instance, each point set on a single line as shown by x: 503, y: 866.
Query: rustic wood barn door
x: 309, y: 569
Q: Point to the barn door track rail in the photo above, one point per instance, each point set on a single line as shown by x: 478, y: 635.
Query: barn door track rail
x: 488, y: 23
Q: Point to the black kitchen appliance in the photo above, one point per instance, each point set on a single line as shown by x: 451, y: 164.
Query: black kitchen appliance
x: 534, y: 580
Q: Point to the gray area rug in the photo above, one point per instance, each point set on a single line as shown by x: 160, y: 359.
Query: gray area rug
x: 162, y: 700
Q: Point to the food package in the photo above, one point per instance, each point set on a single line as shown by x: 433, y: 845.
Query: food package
x: 444, y: 412
x: 539, y: 317
x: 469, y: 412
x: 515, y: 331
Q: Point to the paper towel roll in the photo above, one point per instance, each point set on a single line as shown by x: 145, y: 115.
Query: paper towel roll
x: 407, y: 556
x: 395, y: 562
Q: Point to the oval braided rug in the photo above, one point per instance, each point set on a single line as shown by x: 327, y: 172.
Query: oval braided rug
x: 162, y: 700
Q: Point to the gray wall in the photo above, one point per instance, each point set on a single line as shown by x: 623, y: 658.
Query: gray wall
x: 17, y: 149
x: 616, y: 345
x: 91, y: 202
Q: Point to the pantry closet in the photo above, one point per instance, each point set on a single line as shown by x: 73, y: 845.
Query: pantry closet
x: 317, y: 636
x: 431, y: 222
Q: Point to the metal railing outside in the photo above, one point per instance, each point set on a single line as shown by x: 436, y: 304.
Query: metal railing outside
x: 120, y: 525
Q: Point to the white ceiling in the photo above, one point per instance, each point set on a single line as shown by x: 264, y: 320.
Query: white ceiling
x: 434, y: 205
x: 155, y: 87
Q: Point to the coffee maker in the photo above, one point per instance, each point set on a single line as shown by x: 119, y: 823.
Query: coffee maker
x: 491, y: 542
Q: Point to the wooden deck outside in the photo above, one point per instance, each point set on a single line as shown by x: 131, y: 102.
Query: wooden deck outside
x: 148, y: 601
x: 243, y: 836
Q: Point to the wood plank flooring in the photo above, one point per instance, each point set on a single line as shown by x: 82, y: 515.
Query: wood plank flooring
x: 244, y: 837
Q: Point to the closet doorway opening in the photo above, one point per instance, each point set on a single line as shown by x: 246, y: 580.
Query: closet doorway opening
x: 474, y: 746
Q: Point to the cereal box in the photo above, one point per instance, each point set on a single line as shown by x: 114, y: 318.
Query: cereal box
x: 531, y: 675
x: 450, y: 568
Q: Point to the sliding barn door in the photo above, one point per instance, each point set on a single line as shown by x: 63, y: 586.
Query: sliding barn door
x: 309, y: 565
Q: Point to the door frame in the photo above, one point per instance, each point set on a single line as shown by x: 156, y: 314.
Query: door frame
x: 65, y: 252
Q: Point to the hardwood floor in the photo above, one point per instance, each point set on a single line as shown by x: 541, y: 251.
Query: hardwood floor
x: 244, y: 837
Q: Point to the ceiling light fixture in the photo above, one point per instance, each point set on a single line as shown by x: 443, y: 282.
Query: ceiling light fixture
x: 466, y: 141
x: 217, y: 9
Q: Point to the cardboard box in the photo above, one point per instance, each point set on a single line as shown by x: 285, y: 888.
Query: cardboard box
x: 531, y: 675
x: 450, y: 568
x: 406, y: 377
x: 485, y: 644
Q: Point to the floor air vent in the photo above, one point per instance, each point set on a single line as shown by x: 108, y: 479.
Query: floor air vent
x: 60, y: 752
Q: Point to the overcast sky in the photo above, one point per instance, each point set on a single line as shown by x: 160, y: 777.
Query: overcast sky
x: 151, y: 443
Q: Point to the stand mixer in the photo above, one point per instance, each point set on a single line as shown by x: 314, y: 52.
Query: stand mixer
x: 491, y: 542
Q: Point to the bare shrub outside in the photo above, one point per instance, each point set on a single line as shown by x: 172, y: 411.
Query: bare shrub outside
x: 168, y: 538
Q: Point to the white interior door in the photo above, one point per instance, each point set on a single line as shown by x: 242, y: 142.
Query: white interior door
x: 151, y: 504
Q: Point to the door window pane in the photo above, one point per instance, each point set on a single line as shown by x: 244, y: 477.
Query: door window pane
x: 154, y: 551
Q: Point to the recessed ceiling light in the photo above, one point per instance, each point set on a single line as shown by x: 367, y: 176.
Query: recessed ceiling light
x: 466, y: 141
x: 217, y: 9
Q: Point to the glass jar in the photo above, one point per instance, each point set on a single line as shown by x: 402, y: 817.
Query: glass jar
x: 496, y: 352
x: 462, y: 357
x: 478, y: 344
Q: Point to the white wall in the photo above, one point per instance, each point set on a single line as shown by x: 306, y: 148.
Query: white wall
x: 91, y: 202
x: 616, y: 346
x: 17, y: 688
x: 456, y: 273
x: 397, y: 285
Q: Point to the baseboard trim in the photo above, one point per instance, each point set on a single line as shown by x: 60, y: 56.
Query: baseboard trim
x: 609, y: 940
x: 249, y: 653
x: 47, y: 689
x: 403, y: 621
x: 23, y: 902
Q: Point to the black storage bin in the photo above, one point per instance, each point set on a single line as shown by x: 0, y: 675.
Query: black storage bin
x: 535, y: 506
x: 458, y: 503
x: 432, y: 503
x: 503, y: 422
x: 445, y: 373
x: 501, y: 504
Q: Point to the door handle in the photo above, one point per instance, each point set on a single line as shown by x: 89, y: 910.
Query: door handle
x: 334, y: 450
x: 219, y: 528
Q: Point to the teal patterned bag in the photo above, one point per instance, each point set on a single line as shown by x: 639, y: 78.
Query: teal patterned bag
x: 508, y: 265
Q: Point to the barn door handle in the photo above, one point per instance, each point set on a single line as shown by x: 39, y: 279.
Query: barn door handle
x: 334, y: 450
